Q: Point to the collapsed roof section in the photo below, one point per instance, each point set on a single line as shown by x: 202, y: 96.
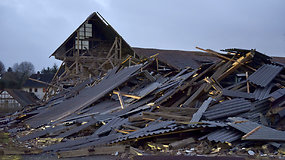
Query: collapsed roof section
x: 178, y: 59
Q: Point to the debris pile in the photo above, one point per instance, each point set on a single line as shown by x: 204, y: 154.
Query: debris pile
x: 232, y: 106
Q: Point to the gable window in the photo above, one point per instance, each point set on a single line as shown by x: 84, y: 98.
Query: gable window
x: 84, y: 33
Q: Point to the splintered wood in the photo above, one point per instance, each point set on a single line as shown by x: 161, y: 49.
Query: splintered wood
x: 153, y: 107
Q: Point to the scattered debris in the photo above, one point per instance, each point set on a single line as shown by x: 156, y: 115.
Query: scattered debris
x: 230, y: 105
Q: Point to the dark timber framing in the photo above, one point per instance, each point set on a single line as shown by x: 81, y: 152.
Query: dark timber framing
x: 89, y: 52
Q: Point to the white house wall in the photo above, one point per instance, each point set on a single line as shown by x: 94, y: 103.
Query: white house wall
x: 39, y: 92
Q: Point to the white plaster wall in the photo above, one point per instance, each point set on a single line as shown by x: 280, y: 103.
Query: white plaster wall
x: 40, y: 93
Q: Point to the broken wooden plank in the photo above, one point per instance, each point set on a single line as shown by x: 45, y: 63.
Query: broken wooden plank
x: 176, y: 110
x: 251, y: 132
x: 127, y: 95
x: 121, y: 100
x: 131, y: 127
x: 236, y: 65
x: 149, y: 76
x: 181, y: 143
x: 165, y: 116
x: 195, y: 95
x: 135, y: 118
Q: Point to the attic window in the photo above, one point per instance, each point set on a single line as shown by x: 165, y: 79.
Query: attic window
x: 84, y: 32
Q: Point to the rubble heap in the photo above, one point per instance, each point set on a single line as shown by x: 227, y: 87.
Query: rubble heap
x: 232, y: 106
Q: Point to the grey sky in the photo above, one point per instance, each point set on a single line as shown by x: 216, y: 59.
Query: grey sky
x: 32, y: 29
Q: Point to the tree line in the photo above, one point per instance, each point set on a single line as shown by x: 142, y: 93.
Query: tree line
x: 15, y: 77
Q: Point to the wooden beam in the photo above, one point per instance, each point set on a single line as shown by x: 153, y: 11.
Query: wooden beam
x: 120, y: 99
x: 120, y: 47
x: 236, y: 65
x: 216, y: 54
x: 131, y: 127
x: 127, y: 95
x: 195, y: 95
x: 247, y: 82
x: 45, y: 83
x: 188, y: 110
x: 250, y: 133
x: 155, y: 115
x: 222, y: 57
x: 218, y: 63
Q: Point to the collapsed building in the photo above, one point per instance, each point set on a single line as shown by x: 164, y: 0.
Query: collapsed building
x: 114, y: 99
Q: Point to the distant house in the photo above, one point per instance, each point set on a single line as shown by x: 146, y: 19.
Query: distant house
x: 38, y: 88
x: 14, y: 99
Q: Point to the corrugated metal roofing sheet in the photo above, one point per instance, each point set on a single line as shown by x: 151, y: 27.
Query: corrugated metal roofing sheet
x: 223, y: 135
x: 258, y: 107
x: 166, y: 127
x: 227, y: 108
x: 153, y: 128
x: 197, y: 116
x: 278, y: 93
x: 264, y: 133
x: 114, y: 123
x: 236, y: 94
x: 265, y: 74
x: 261, y: 93
x: 84, y: 98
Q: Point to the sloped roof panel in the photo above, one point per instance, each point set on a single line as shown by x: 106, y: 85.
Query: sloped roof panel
x: 261, y: 93
x: 265, y: 74
x: 223, y: 135
x: 24, y: 98
x: 264, y: 133
x: 227, y: 108
x: 84, y: 98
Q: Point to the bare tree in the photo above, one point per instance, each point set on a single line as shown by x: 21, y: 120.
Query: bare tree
x: 2, y: 68
x: 24, y: 68
x: 23, y: 71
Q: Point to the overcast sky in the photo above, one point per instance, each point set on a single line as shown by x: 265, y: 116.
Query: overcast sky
x: 31, y: 30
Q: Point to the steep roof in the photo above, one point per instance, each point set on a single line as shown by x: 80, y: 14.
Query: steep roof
x: 47, y: 78
x: 102, y: 28
x: 24, y: 98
